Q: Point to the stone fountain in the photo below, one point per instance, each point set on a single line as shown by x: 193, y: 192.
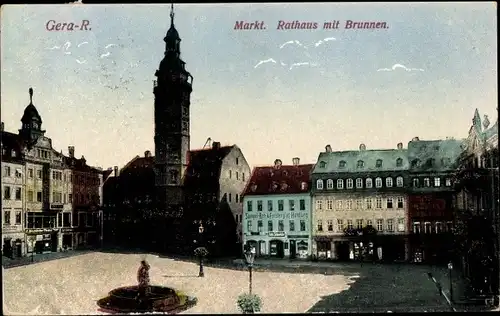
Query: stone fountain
x: 144, y: 298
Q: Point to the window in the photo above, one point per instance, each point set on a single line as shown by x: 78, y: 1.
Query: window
x: 416, y: 183
x: 330, y: 225
x: 340, y: 184
x: 322, y: 164
x: 18, y: 173
x: 281, y: 206
x: 342, y: 164
x: 339, y: 205
x: 369, y: 223
x: 378, y: 182
x: 369, y: 183
x: 230, y: 174
x: 320, y: 225
x: 349, y: 204
x: 349, y: 183
x: 230, y: 197
x: 30, y: 173
x: 439, y: 228
x: 389, y: 203
x: 237, y: 161
x: 329, y: 184
x: 18, y: 217
x: 399, y: 162
x: 378, y: 163
x: 427, y: 182
x: 437, y: 182
x: 359, y: 223
x: 401, y: 202
x: 243, y: 176
x: 39, y: 174
x: 302, y: 205
x: 6, y: 217
x: 303, y: 186
x: 291, y: 225
x: 18, y: 194
x: 349, y: 224
x: 340, y: 225
x: 427, y: 228
x: 359, y: 204
x: 249, y: 205
x: 319, y: 184
x: 390, y: 225
x: 237, y: 198
x: 329, y: 205
x: 6, y: 171
x: 269, y: 205
x: 368, y: 203
x: 388, y: 182
x: 70, y: 200
x: 269, y: 226
x: 447, y: 182
x: 360, y: 164
x: 378, y: 202
x: 259, y: 206
x: 259, y: 226
x: 249, y: 226
x: 6, y: 193
x: 291, y: 204
x: 302, y: 225
x: 237, y: 175
x: 39, y: 196
x: 30, y: 196
x: 399, y: 182
x: 319, y: 204
x: 401, y: 224
x: 359, y: 183
x: 380, y: 225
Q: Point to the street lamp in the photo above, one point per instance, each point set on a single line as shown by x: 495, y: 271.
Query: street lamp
x: 250, y: 257
x: 200, y: 231
x: 450, y: 268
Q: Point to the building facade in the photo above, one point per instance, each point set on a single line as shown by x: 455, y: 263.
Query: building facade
x: 172, y: 91
x: 476, y: 207
x: 48, y: 197
x: 360, y: 204
x: 432, y: 165
x: 277, y: 210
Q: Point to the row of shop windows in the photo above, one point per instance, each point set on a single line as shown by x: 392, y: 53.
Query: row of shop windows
x: 281, y: 226
x: 37, y: 220
x: 431, y: 227
x: 277, y: 248
x: 390, y: 225
x: 281, y: 205
x: 389, y: 203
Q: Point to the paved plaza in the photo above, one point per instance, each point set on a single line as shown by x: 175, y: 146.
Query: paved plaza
x: 73, y: 285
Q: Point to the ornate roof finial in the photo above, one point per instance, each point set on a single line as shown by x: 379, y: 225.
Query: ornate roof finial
x: 172, y: 13
x: 31, y: 95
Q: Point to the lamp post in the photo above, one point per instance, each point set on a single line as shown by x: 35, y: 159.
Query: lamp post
x: 250, y: 257
x: 32, y: 241
x: 450, y: 268
x: 200, y: 231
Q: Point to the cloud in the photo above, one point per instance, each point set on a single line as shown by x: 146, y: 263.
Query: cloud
x: 270, y: 60
x: 293, y: 42
x: 294, y: 65
x: 320, y: 42
x: 399, y: 66
x: 83, y: 43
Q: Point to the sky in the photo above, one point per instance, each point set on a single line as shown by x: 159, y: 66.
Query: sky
x: 423, y: 75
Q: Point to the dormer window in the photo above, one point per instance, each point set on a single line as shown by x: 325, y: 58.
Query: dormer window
x: 416, y: 163
x: 303, y: 186
x: 399, y: 162
x: 430, y: 162
x: 360, y: 164
x: 445, y: 161
x: 322, y: 164
x: 378, y: 163
x: 319, y: 184
x: 342, y: 164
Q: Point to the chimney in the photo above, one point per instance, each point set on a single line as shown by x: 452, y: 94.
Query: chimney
x: 116, y: 171
x: 415, y: 139
x: 216, y: 145
x: 71, y: 151
x: 362, y: 147
x: 400, y: 146
x: 277, y: 163
x: 328, y: 148
x: 296, y: 161
x: 2, y: 127
x: 147, y: 154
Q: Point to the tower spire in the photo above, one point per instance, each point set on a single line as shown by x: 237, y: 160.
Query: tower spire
x: 172, y: 13
x: 31, y: 95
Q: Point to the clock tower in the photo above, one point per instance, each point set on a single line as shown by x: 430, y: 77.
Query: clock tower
x: 172, y: 91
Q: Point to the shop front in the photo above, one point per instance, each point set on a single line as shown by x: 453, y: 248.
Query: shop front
x: 67, y: 238
x: 12, y: 244
x: 299, y: 246
x: 41, y: 241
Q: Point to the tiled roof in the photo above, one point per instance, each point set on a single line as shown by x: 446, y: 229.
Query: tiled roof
x: 205, y: 163
x: 286, y: 179
x: 444, y: 153
x: 361, y: 161
x: 11, y: 142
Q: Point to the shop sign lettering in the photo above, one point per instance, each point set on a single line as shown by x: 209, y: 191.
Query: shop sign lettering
x: 276, y: 234
x: 277, y: 215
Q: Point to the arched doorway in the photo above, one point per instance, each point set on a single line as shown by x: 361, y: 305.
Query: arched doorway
x: 262, y: 248
x: 276, y: 248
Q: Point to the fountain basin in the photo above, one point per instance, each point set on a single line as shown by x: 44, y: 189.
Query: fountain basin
x: 158, y: 299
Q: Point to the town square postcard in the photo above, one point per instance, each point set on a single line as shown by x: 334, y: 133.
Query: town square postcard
x: 249, y: 158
